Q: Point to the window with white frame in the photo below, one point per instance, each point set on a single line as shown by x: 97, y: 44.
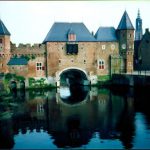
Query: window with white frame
x: 101, y: 64
x: 112, y: 46
x: 39, y: 66
x: 103, y: 47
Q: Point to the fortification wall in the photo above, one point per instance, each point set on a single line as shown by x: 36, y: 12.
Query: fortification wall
x: 27, y: 49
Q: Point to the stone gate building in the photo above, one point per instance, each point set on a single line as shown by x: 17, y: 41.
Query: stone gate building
x: 70, y: 53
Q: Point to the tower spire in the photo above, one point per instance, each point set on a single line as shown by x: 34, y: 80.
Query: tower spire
x: 138, y: 13
x: 139, y: 30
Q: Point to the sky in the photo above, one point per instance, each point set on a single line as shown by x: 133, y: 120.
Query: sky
x: 30, y: 21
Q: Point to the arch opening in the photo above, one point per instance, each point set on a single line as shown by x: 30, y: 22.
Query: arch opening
x: 71, y: 77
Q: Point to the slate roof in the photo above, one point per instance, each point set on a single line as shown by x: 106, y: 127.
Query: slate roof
x: 71, y: 31
x: 125, y: 22
x: 59, y: 32
x: 106, y: 34
x: 18, y: 61
x: 3, y: 29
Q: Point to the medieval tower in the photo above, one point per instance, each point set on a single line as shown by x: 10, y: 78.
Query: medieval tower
x: 125, y: 32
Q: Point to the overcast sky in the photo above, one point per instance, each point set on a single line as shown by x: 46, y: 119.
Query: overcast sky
x: 30, y: 21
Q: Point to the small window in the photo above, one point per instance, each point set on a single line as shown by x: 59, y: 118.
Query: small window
x: 72, y: 49
x: 39, y: 66
x: 101, y: 64
x: 130, y: 35
x: 71, y: 37
x: 84, y: 61
x: 112, y: 46
x: 103, y: 47
x: 59, y: 61
x: 1, y: 41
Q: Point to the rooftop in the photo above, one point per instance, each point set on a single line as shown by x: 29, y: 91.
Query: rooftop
x: 106, y: 34
x: 125, y: 22
x: 59, y: 32
x: 3, y: 29
x: 18, y: 61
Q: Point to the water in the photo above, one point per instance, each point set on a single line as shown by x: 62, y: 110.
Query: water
x: 79, y: 117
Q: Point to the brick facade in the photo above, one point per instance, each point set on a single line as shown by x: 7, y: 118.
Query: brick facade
x: 48, y: 59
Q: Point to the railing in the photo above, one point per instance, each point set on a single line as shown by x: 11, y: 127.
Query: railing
x: 132, y: 72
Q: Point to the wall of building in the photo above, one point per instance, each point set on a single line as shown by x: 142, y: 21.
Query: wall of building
x: 58, y: 59
x: 103, y: 52
x: 4, y: 53
x: 144, y: 52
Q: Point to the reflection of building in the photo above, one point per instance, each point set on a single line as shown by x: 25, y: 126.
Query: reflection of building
x: 109, y: 115
x: 71, y: 45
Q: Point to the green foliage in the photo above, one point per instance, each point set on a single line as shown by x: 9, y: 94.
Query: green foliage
x: 31, y: 82
x: 26, y: 57
x: 104, y: 78
x: 20, y: 78
x: 37, y: 84
x: 8, y: 76
x: 33, y: 57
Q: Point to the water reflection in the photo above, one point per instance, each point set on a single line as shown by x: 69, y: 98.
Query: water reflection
x: 98, y: 116
x: 73, y: 94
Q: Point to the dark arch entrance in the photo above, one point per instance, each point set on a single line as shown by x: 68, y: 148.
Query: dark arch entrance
x: 13, y: 85
x: 22, y: 85
x: 73, y: 77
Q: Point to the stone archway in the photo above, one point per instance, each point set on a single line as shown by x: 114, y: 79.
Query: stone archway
x: 72, y: 76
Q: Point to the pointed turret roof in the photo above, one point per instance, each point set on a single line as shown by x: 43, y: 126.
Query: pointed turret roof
x: 125, y: 22
x: 3, y: 29
x: 138, y: 16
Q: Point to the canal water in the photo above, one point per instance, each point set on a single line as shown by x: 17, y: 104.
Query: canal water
x: 76, y: 117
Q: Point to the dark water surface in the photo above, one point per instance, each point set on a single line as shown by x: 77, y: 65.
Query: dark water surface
x: 79, y: 117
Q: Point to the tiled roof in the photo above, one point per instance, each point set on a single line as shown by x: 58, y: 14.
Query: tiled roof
x: 18, y: 61
x: 3, y: 29
x: 106, y: 34
x: 59, y: 32
x: 125, y: 22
